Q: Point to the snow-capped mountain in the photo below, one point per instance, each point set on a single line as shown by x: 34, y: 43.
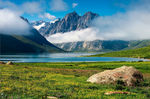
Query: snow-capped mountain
x: 41, y: 25
x: 70, y: 22
x: 38, y: 24
x: 74, y: 22
x: 38, y: 27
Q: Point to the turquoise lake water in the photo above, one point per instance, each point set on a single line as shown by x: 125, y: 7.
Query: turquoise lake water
x: 63, y: 57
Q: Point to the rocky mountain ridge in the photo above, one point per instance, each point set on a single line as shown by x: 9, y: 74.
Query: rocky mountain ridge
x: 70, y: 22
x: 73, y: 22
x: 99, y: 45
x: 96, y: 45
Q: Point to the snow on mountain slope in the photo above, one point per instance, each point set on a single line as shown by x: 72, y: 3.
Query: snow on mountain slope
x: 39, y: 26
x: 54, y: 21
x: 71, y: 22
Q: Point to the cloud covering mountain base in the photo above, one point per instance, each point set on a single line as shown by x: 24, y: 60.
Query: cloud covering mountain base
x: 73, y: 36
x: 134, y: 24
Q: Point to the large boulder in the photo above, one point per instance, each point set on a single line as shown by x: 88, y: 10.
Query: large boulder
x: 128, y: 76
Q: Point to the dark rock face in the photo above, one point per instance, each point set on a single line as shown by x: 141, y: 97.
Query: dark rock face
x: 24, y: 19
x: 70, y: 22
x: 86, y: 19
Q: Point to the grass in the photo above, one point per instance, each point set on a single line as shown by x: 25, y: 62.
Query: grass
x: 135, y: 53
x: 66, y: 81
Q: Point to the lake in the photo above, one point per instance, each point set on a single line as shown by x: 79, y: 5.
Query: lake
x: 62, y: 57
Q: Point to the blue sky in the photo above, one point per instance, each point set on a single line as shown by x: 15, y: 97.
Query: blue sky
x: 120, y: 19
x: 51, y: 9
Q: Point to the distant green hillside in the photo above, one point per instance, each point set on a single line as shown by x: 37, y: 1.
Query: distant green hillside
x: 138, y: 44
x: 138, y: 52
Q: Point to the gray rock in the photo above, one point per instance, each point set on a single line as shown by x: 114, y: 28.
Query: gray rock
x: 128, y: 75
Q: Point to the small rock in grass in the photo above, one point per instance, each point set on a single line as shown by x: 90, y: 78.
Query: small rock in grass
x: 9, y: 63
x: 51, y: 97
x: 116, y: 92
x: 2, y: 62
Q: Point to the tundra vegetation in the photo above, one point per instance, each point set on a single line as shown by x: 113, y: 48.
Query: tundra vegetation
x: 67, y: 81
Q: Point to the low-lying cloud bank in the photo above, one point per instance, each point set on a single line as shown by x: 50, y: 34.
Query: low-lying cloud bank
x: 73, y: 36
x: 11, y: 23
x: 134, y: 24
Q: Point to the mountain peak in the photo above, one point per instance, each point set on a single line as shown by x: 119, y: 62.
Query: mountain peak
x: 91, y: 13
x: 71, y: 22
x: 72, y: 14
x: 25, y: 19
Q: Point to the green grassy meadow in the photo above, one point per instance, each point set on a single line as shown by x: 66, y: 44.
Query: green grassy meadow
x: 135, y: 53
x: 66, y: 81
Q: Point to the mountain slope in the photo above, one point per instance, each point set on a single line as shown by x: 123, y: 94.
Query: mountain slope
x: 33, y: 43
x: 136, y: 53
x: 138, y: 44
x: 11, y: 44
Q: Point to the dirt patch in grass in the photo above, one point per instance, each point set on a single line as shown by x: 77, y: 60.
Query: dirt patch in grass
x: 146, y: 75
x: 76, y: 72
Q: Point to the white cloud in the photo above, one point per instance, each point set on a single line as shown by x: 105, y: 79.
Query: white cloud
x: 74, y: 5
x: 26, y: 7
x: 11, y: 23
x: 131, y: 25
x: 88, y: 34
x: 31, y: 7
x: 58, y: 5
x: 10, y: 5
x: 48, y: 16
x: 7, y: 4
